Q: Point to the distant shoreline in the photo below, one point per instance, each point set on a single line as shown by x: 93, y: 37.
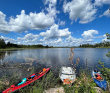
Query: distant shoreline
x: 93, y: 47
x: 8, y: 49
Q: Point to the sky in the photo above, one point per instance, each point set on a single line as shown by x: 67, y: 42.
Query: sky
x: 54, y: 22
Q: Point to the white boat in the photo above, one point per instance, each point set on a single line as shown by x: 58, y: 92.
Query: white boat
x: 67, y: 75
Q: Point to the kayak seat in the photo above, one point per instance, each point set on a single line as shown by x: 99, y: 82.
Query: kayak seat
x: 31, y: 77
x: 37, y: 74
x: 41, y: 72
x: 98, y: 77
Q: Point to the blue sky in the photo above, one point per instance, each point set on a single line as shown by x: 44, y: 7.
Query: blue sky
x: 54, y: 22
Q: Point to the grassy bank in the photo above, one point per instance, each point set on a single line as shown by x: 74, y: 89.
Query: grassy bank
x: 9, y: 49
x: 92, y: 47
x: 103, y: 47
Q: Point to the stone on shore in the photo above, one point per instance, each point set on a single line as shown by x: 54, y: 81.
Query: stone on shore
x: 98, y: 90
x: 55, y: 90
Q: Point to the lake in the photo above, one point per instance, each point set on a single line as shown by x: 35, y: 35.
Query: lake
x: 55, y: 57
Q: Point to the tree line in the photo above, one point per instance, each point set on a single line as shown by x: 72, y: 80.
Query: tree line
x: 12, y: 45
x: 102, y: 44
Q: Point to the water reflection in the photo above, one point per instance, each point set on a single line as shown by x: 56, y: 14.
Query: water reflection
x: 55, y: 57
x: 2, y: 55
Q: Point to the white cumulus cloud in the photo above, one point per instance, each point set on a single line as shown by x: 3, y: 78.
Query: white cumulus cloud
x: 31, y: 21
x: 53, y: 2
x: 51, y: 7
x: 62, y: 23
x: 59, y: 40
x: 106, y: 13
x: 54, y: 32
x: 53, y: 42
x: 89, y: 34
x: 24, y: 22
x: 80, y: 9
x: 7, y: 39
x: 101, y: 2
x: 28, y: 39
x: 72, y: 41
x: 4, y: 27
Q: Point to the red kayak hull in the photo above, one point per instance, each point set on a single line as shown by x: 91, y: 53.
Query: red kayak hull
x: 12, y: 89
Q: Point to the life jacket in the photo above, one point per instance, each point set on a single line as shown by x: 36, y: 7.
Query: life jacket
x: 67, y: 81
x: 99, y: 77
x: 44, y: 70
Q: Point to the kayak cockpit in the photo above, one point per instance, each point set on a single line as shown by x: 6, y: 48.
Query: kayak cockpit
x: 67, y: 75
x: 20, y: 82
x: 97, y: 75
x: 31, y: 77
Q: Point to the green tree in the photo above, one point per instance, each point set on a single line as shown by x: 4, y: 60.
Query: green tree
x: 47, y: 46
x: 8, y: 44
x: 2, y: 43
x: 108, y: 43
x: 108, y: 35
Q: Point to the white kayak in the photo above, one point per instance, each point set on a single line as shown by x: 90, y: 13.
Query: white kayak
x: 67, y: 75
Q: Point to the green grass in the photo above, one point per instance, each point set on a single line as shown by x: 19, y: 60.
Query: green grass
x: 8, y: 49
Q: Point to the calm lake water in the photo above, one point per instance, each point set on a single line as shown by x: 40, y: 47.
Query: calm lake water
x: 55, y: 57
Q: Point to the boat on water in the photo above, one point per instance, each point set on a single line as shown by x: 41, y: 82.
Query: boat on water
x: 98, y: 79
x: 67, y: 75
x: 26, y: 81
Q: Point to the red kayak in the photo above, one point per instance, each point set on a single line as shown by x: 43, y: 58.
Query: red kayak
x: 30, y: 79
